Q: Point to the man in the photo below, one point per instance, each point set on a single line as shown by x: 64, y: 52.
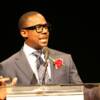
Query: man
x: 92, y: 91
x: 56, y: 67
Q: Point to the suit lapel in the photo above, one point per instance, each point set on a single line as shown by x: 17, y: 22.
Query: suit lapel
x: 55, y: 73
x: 23, y: 65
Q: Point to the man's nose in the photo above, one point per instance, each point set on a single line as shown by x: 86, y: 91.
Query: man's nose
x: 45, y: 30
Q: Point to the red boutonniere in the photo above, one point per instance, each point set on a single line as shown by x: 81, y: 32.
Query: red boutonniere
x: 57, y: 62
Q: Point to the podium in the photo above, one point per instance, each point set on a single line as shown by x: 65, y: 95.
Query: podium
x: 47, y: 92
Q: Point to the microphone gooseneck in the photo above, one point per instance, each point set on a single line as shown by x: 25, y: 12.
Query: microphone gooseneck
x: 46, y: 55
x: 46, y: 52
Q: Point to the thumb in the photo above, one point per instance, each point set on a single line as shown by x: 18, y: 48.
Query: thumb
x: 14, y: 81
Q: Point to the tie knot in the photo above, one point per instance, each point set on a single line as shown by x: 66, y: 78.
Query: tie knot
x: 39, y: 59
x: 37, y: 53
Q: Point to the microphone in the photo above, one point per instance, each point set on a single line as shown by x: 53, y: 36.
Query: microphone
x: 46, y: 55
x: 46, y: 52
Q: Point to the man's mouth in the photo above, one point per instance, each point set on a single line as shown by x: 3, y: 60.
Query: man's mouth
x: 44, y: 38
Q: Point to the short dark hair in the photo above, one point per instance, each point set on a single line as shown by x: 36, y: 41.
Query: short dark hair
x: 23, y: 19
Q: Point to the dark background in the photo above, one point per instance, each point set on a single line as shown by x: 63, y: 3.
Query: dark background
x: 75, y: 30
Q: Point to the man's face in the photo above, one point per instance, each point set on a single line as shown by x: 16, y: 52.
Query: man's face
x: 37, y: 32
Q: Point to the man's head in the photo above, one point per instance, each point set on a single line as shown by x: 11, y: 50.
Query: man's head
x: 34, y: 28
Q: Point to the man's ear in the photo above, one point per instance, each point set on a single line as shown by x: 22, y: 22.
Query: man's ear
x: 24, y: 33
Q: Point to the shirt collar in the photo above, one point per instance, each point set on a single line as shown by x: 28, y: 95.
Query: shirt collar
x: 28, y: 50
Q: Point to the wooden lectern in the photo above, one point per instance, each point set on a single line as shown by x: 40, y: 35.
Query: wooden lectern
x: 87, y: 91
x: 48, y: 92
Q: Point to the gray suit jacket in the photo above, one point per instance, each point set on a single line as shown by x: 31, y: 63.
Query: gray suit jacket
x: 18, y: 66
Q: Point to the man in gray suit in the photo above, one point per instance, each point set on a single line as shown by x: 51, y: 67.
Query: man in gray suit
x: 60, y: 68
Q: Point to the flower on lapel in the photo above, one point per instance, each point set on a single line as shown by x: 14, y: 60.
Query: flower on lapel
x: 57, y: 62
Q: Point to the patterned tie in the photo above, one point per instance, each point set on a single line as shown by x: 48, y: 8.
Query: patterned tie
x: 40, y: 66
x: 39, y: 60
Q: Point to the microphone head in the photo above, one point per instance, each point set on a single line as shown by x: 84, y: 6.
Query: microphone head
x: 46, y: 52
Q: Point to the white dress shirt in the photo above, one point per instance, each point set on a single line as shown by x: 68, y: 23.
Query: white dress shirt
x: 32, y: 60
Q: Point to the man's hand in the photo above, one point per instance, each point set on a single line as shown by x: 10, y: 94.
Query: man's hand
x: 3, y: 91
x: 3, y: 84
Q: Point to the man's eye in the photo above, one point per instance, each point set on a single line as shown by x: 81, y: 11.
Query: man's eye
x: 38, y: 26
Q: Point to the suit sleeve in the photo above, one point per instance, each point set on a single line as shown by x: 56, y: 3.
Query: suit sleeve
x: 73, y: 72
